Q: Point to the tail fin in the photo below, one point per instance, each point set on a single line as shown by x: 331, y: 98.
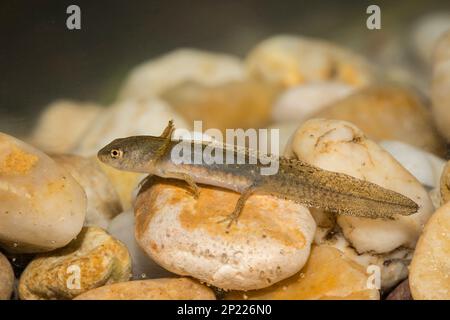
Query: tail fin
x: 344, y: 194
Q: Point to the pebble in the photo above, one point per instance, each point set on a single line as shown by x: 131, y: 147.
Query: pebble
x: 424, y: 166
x: 445, y: 184
x: 377, y: 110
x: 238, y: 104
x: 53, y: 134
x: 393, y: 265
x: 430, y: 267
x: 122, y: 228
x: 440, y: 84
x: 277, y: 145
x: 340, y: 146
x: 270, y: 242
x: 286, y: 60
x: 328, y: 275
x: 125, y: 183
x: 127, y: 118
x: 426, y: 33
x: 92, y: 260
x: 43, y: 207
x: 103, y: 202
x: 155, y: 76
x: 6, y: 278
x: 300, y: 102
x: 155, y: 289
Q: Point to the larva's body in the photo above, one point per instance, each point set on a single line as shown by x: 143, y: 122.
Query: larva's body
x: 294, y: 179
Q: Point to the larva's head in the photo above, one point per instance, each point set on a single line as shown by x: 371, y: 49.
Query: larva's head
x: 137, y: 153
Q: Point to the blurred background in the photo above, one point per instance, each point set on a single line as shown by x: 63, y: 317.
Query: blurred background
x: 40, y: 60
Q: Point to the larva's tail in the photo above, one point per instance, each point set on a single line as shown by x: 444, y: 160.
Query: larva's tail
x: 344, y: 194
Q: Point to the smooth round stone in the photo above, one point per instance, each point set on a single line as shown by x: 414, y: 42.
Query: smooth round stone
x: 6, y: 278
x: 387, y: 112
x: 300, y: 102
x: 270, y: 242
x: 236, y: 104
x: 92, y: 260
x: 103, y: 202
x: 440, y: 84
x: 340, y: 146
x: 122, y: 228
x: 393, y: 266
x: 424, y: 166
x: 53, y: 134
x: 155, y: 76
x: 328, y: 275
x: 42, y: 206
x: 155, y: 289
x: 127, y: 118
x: 427, y: 32
x: 445, y: 184
x: 429, y: 277
x: 275, y: 144
x: 287, y: 60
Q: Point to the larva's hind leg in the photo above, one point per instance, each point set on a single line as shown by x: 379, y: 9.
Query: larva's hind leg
x: 234, y: 216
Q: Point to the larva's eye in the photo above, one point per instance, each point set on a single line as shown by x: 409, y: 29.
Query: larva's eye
x: 116, y: 153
